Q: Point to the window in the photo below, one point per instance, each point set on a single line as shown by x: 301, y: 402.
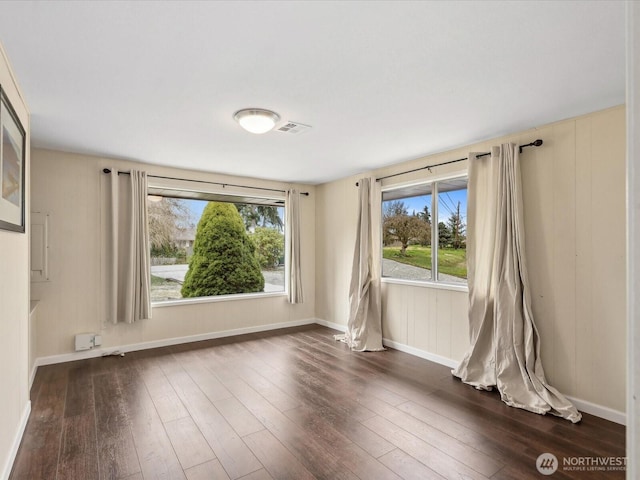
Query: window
x: 207, y: 244
x: 420, y: 219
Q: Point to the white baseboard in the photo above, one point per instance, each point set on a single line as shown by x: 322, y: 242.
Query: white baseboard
x: 335, y: 326
x: 11, y: 457
x: 447, y: 362
x: 99, y: 352
x: 607, y: 413
x: 32, y: 376
x: 594, y: 409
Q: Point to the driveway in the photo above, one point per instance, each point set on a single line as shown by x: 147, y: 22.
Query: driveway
x: 172, y: 272
x: 391, y: 268
x: 273, y: 279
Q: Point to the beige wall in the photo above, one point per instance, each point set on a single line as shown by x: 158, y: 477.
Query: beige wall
x: 336, y: 217
x: 574, y: 194
x: 67, y: 186
x: 14, y: 307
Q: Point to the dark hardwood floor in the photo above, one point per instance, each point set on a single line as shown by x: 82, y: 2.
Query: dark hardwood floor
x: 288, y: 404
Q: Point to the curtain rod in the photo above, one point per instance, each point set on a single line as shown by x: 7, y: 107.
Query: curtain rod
x: 108, y: 170
x: 536, y: 143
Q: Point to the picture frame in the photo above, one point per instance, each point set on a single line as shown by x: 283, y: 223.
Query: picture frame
x: 12, y: 167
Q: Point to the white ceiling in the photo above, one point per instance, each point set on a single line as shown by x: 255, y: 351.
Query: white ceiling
x: 379, y: 82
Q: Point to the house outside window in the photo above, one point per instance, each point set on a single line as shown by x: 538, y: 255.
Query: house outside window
x: 214, y: 245
x: 420, y: 219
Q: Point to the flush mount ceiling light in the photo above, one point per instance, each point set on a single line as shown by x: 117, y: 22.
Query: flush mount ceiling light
x: 256, y: 120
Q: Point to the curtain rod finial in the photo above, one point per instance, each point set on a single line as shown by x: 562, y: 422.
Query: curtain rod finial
x: 535, y: 143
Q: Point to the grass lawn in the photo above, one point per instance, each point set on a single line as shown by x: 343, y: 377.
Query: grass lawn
x: 450, y: 261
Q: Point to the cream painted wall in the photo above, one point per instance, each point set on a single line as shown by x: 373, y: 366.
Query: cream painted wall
x: 336, y: 218
x: 575, y: 235
x: 14, y: 307
x: 68, y: 187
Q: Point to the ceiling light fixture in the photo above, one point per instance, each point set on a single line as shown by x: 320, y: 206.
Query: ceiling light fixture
x: 256, y: 120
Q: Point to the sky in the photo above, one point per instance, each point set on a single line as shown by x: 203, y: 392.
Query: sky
x: 447, y: 205
x: 197, y: 207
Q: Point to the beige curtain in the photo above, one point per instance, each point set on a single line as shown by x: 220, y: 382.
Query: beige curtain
x: 364, y: 329
x: 505, y: 345
x: 128, y: 288
x: 292, y: 224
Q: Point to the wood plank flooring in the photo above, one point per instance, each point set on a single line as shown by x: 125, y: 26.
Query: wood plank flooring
x: 287, y: 404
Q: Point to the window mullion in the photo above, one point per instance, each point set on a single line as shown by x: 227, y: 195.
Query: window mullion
x: 434, y: 232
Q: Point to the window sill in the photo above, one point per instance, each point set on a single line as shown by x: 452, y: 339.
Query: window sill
x: 218, y: 298
x: 427, y: 284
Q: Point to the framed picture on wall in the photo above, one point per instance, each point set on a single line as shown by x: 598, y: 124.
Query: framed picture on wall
x: 12, y: 167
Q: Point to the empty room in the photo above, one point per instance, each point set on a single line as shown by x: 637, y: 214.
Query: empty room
x: 319, y: 239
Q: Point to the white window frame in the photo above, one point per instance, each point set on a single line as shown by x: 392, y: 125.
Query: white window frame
x: 178, y: 186
x: 433, y: 283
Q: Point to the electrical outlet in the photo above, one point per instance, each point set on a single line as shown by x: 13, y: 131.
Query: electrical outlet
x: 84, y: 341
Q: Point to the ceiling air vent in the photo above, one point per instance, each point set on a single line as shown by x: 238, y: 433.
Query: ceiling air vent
x: 293, y: 128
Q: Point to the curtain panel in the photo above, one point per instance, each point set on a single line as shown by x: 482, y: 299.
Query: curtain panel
x: 364, y: 329
x: 505, y: 345
x: 292, y: 225
x: 128, y: 276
